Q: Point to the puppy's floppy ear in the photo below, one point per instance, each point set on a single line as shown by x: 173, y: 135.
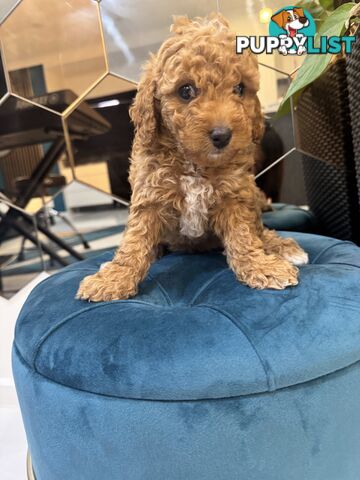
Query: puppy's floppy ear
x: 280, y: 18
x: 299, y: 11
x: 143, y: 110
x: 258, y: 123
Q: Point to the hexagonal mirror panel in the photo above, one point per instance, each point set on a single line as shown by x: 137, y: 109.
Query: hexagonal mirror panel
x: 278, y: 140
x: 133, y: 28
x: 102, y: 158
x: 85, y: 224
x: 90, y: 222
x: 6, y: 7
x: 284, y: 183
x: 253, y: 19
x: 132, y: 31
x: 44, y: 45
x: 33, y: 160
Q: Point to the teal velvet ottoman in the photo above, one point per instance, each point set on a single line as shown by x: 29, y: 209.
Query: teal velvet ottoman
x: 291, y: 218
x: 198, y: 377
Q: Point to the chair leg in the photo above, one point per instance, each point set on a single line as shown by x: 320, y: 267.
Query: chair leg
x: 21, y: 254
x: 66, y: 220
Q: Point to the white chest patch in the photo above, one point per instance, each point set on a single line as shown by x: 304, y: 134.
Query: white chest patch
x: 198, y: 198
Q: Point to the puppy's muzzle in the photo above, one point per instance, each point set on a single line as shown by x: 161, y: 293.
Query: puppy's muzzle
x: 220, y: 136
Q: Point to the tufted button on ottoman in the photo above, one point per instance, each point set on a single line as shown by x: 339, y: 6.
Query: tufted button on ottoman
x: 198, y: 377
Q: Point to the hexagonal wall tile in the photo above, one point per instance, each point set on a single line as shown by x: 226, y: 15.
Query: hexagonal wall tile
x: 53, y: 47
x: 76, y: 222
x: 272, y: 164
x: 6, y: 7
x: 133, y: 28
x: 286, y: 182
x: 88, y: 222
x: 279, y: 137
x: 27, y: 133
x: 102, y: 160
x: 247, y: 18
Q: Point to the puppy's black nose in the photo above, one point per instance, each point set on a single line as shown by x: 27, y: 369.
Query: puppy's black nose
x: 220, y: 136
x: 303, y: 20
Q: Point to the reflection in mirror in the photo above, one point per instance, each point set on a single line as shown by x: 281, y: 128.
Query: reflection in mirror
x: 33, y: 161
x: 133, y: 28
x: 273, y: 86
x: 21, y: 258
x: 283, y: 183
x: 278, y: 138
x: 102, y: 159
x: 38, y: 45
x: 88, y: 222
x: 131, y: 31
x: 3, y: 86
x: 252, y: 18
x: 6, y: 6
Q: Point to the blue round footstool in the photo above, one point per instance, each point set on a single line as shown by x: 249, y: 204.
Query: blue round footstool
x: 291, y: 218
x: 198, y: 377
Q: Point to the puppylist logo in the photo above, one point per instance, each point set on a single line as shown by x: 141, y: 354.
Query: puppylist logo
x: 292, y: 31
x: 292, y: 26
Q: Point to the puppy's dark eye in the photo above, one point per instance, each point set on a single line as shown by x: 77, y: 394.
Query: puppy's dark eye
x: 239, y: 89
x: 187, y: 92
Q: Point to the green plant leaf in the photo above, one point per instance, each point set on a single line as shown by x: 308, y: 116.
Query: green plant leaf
x: 285, y: 107
x: 315, y: 9
x: 310, y: 70
x: 315, y: 64
x: 327, y: 4
x: 335, y: 22
x: 311, y: 6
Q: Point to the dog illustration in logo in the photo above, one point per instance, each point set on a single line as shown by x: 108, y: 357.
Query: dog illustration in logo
x: 291, y: 21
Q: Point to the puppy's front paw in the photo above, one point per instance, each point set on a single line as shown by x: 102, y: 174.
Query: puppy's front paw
x: 296, y: 255
x: 112, y: 282
x: 271, y: 272
x: 288, y: 249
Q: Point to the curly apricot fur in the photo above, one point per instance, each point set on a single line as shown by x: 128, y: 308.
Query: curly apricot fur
x: 186, y: 193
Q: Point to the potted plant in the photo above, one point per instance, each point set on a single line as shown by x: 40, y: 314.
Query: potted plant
x: 320, y: 98
x: 330, y: 21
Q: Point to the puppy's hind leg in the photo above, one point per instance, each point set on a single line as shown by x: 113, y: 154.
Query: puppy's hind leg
x: 284, y: 247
